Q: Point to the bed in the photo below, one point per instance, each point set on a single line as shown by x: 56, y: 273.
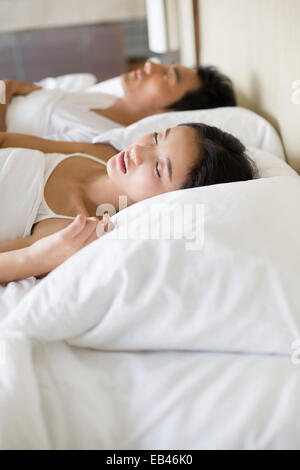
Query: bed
x: 188, y: 339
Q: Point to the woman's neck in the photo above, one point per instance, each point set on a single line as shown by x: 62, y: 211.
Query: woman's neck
x: 99, y: 190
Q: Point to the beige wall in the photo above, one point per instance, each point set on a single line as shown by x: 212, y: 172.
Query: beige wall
x: 186, y: 33
x: 29, y: 14
x: 257, y: 43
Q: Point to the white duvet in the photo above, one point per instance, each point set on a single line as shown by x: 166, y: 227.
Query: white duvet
x: 140, y: 344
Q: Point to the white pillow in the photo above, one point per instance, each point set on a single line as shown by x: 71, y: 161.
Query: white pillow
x: 86, y: 82
x: 269, y: 165
x: 250, y: 128
x: 228, y: 282
x: 72, y: 82
x: 247, y: 126
x: 113, y: 86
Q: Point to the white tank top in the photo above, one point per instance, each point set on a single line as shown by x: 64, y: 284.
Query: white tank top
x: 52, y: 160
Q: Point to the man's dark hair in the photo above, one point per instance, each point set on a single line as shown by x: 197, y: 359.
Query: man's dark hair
x: 222, y: 159
x: 216, y: 90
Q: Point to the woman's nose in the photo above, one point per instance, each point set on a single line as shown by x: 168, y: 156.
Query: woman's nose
x: 136, y: 155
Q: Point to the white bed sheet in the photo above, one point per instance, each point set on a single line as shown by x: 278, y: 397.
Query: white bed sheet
x: 62, y: 397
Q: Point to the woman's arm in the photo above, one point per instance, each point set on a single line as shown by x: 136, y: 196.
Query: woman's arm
x: 18, y: 244
x: 8, y: 140
x: 19, y: 264
x: 48, y: 252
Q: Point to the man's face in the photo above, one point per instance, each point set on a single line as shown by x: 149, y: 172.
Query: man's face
x: 156, y: 86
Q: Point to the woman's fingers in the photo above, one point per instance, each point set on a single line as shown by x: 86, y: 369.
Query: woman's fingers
x: 107, y: 222
x: 91, y: 230
x: 93, y: 236
x: 105, y: 225
x: 100, y: 229
x: 83, y: 230
x: 76, y: 226
x: 80, y: 228
x: 88, y: 230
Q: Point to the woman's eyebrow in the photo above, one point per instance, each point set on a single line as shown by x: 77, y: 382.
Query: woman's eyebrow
x: 167, y: 133
x: 169, y: 164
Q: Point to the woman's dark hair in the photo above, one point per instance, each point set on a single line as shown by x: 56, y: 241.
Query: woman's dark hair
x: 216, y: 90
x: 222, y: 159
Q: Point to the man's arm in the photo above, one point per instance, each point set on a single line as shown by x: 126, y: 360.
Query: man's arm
x: 14, y: 88
x: 3, y: 107
x: 8, y: 140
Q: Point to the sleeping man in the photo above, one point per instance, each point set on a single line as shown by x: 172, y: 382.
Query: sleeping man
x: 80, y: 116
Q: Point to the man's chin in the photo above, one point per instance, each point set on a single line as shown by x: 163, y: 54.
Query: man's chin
x: 127, y: 85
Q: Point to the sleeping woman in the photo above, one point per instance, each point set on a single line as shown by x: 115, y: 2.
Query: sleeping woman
x: 80, y: 177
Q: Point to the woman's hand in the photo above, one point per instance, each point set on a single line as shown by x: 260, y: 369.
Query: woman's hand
x: 105, y: 225
x: 54, y: 249
x: 18, y: 88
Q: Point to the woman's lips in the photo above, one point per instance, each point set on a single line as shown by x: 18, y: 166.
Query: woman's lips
x: 121, y: 162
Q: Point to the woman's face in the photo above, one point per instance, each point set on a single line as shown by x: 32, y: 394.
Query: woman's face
x: 156, y: 163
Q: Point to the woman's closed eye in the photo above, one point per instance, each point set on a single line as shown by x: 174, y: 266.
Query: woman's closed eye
x: 155, y: 135
x: 156, y: 169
